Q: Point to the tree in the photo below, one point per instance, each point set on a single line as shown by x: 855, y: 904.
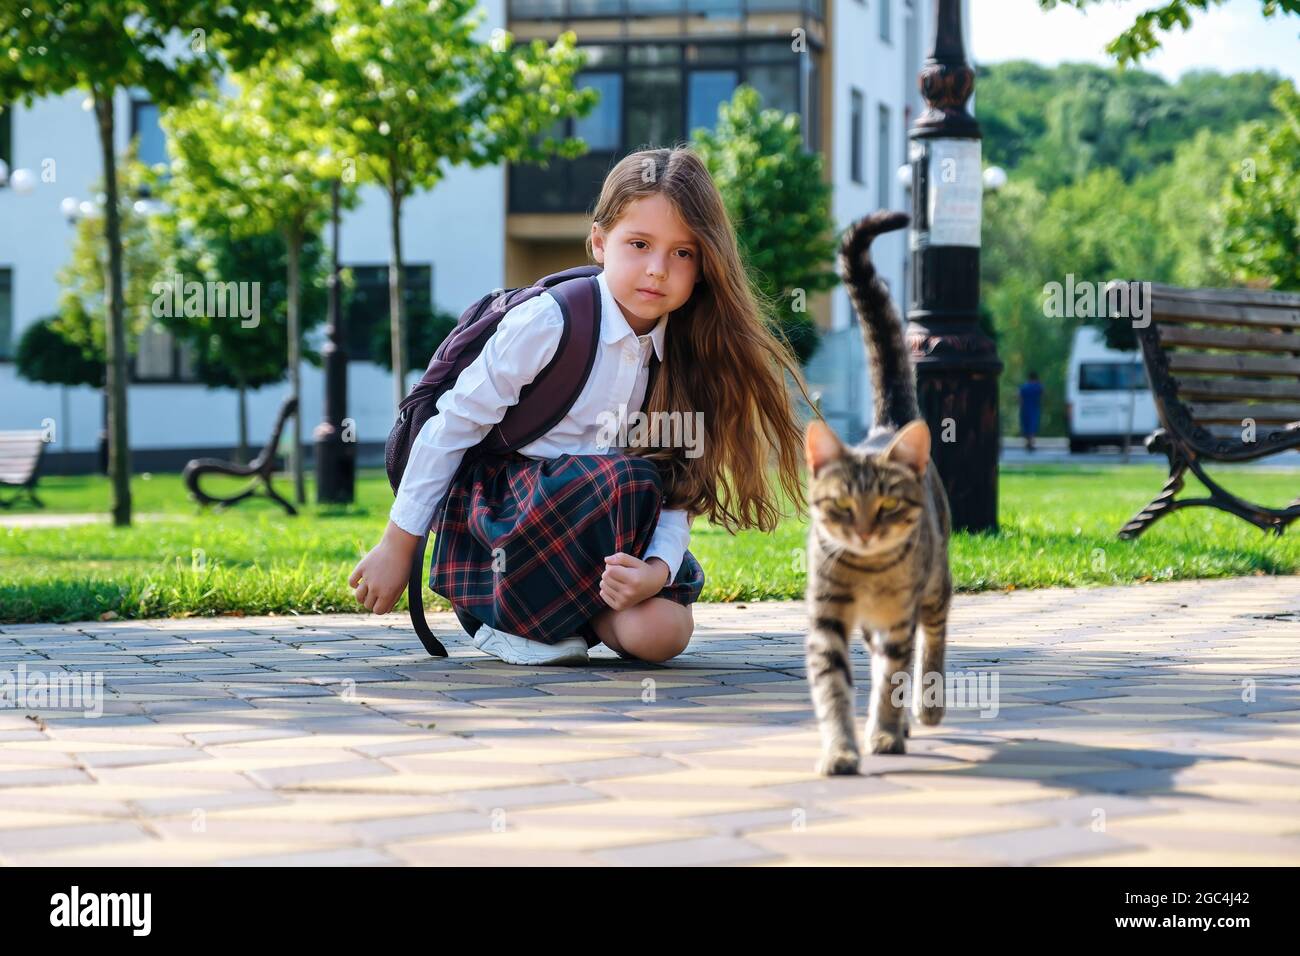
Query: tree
x: 261, y: 160
x: 1260, y: 243
x: 48, y: 47
x: 227, y: 353
x: 777, y: 198
x: 1145, y: 34
x: 44, y: 355
x: 417, y: 94
x: 82, y: 278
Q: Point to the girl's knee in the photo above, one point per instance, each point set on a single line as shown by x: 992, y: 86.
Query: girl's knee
x: 656, y: 630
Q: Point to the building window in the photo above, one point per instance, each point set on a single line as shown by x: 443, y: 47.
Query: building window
x: 654, y: 113
x: 367, y: 306
x: 6, y: 314
x: 856, y: 132
x: 159, y: 358
x: 706, y: 91
x: 601, y: 127
x: 655, y: 94
x: 151, y: 143
x: 885, y: 25
x: 884, y: 179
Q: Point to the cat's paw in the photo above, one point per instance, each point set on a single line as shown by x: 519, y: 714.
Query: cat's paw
x: 838, y: 763
x: 888, y: 742
x: 930, y: 716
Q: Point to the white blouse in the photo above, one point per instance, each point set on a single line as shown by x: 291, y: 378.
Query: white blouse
x: 524, y: 341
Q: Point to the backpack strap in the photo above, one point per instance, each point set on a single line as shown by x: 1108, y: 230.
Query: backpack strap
x: 561, y: 382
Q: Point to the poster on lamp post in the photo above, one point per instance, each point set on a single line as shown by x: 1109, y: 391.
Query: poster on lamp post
x: 955, y: 194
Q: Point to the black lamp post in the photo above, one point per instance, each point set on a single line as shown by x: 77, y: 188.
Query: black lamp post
x: 336, y: 456
x: 957, y: 365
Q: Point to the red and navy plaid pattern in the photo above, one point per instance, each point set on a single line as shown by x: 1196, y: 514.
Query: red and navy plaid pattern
x: 521, y: 544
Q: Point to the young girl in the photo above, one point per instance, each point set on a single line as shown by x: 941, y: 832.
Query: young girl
x: 568, y: 543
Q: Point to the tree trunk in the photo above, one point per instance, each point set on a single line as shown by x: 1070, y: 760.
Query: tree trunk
x: 396, y: 299
x: 294, y: 241
x: 119, y: 461
x: 241, y: 452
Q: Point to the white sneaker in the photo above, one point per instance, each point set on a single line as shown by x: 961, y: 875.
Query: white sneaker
x: 514, y: 649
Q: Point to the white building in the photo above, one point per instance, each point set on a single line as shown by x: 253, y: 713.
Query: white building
x: 661, y: 65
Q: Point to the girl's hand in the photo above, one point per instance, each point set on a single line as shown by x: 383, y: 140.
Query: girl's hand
x: 380, y: 577
x: 627, y: 581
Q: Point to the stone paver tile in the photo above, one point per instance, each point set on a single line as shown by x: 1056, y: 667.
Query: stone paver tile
x: 14, y: 819
x: 42, y: 777
x: 664, y: 810
x: 436, y: 853
x: 150, y: 852
x: 340, y: 856
x: 1043, y: 844
x: 702, y: 851
x: 276, y: 777
x: 394, y: 782
x: 535, y: 796
x: 925, y: 821
x: 915, y: 851
x: 84, y: 834
x: 552, y: 837
x: 1168, y: 856
x: 209, y: 803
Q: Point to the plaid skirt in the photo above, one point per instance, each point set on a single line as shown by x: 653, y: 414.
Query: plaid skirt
x: 521, y: 542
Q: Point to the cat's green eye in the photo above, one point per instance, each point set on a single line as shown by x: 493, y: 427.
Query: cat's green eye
x: 843, y: 504
x: 888, y: 504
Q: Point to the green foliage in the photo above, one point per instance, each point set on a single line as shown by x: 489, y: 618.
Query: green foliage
x: 779, y: 202
x: 43, y: 355
x: 1057, y: 124
x: 81, y: 301
x: 1145, y: 34
x: 1120, y: 175
x: 226, y: 354
x: 50, y: 46
x: 1261, y: 212
x: 414, y: 91
x: 261, y: 160
x: 425, y: 331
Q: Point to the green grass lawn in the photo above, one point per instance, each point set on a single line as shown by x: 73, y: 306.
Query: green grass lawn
x: 1058, y: 527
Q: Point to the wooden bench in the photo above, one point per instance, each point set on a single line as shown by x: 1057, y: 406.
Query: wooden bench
x: 260, y: 469
x: 1224, y: 366
x: 20, y: 464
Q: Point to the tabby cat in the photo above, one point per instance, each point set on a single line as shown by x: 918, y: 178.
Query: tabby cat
x: 878, y: 542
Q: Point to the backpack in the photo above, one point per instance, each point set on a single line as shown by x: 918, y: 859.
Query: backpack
x: 542, y: 403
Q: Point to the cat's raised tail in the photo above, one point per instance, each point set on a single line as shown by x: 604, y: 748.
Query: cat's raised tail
x: 882, y: 329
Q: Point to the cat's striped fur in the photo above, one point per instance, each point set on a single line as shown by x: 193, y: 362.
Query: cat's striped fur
x: 878, y: 541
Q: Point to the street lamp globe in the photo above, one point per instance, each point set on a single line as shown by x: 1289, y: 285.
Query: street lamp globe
x: 23, y: 182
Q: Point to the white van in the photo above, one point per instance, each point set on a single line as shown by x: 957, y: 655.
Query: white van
x: 1101, y: 400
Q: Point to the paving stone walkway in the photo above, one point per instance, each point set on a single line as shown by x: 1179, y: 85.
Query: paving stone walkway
x: 1155, y: 724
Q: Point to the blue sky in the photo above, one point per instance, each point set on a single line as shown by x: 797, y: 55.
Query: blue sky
x: 1230, y: 38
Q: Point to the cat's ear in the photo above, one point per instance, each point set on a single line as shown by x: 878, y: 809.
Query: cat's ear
x: 821, y: 446
x: 911, y: 447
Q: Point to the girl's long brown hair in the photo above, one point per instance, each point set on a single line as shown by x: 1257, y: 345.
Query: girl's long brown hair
x: 721, y: 357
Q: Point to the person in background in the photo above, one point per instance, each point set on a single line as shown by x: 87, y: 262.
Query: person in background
x: 1031, y: 406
